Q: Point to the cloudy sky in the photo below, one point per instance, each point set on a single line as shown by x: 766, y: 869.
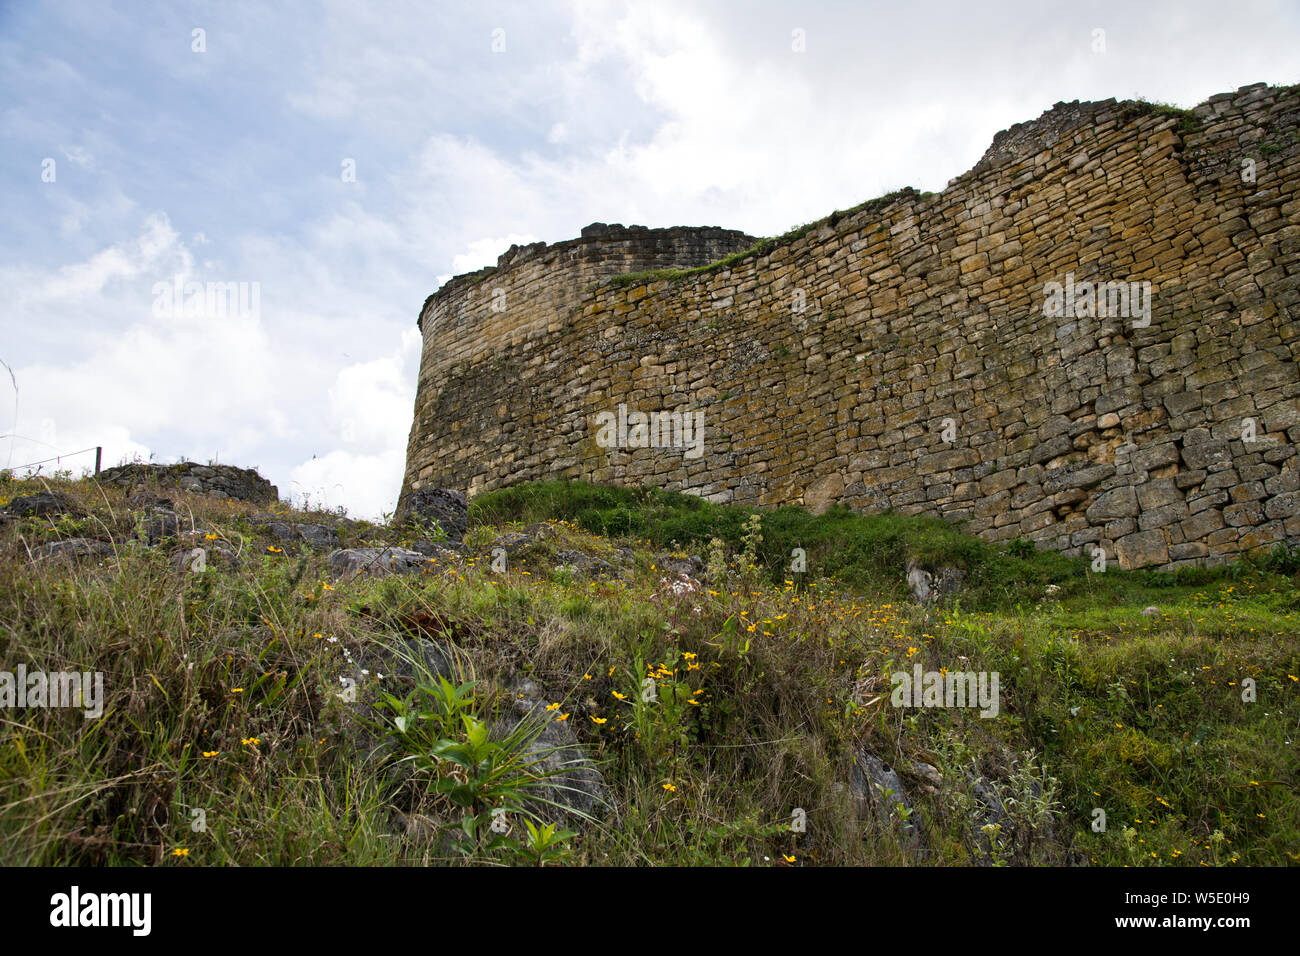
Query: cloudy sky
x: 347, y: 157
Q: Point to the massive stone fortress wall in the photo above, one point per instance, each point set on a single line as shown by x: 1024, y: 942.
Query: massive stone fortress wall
x: 937, y: 354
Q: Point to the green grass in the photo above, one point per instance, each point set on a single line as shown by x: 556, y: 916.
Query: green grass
x: 766, y: 685
x: 1188, y: 121
x: 767, y: 245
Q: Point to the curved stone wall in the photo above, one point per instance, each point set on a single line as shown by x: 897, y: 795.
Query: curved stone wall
x: 1089, y: 341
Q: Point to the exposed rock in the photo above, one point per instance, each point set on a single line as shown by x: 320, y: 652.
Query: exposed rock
x: 1117, y: 503
x: 145, y: 501
x: 822, y: 493
x: 219, y: 481
x: 691, y: 567
x: 877, y: 790
x: 572, y: 780
x: 293, y: 533
x: 929, y: 773
x: 919, y: 580
x: 1062, y: 479
x: 157, y: 526
x: 572, y: 786
x: 203, y: 556
x: 442, y: 550
x: 411, y: 660
x: 1142, y: 548
x: 351, y: 562
x: 73, y: 549
x: 42, y: 503
x: 930, y: 586
x: 515, y: 543
x: 444, y: 506
x: 585, y: 563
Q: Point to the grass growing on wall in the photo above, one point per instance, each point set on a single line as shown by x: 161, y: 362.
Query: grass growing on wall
x: 764, y: 246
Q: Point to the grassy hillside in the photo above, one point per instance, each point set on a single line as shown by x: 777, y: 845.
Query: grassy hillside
x: 725, y: 712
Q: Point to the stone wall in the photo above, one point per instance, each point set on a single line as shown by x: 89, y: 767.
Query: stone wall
x: 913, y: 353
x: 219, y: 481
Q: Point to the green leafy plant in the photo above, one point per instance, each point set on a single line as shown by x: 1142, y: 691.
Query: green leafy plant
x: 453, y: 753
x: 544, y: 844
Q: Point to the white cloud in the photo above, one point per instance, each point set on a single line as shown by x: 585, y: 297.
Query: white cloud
x: 660, y: 112
x: 79, y: 156
x: 370, y: 408
x: 485, y: 252
x: 157, y: 247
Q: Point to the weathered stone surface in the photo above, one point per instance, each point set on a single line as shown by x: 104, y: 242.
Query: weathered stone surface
x: 878, y: 791
x: 42, y: 503
x: 903, y: 355
x: 1141, y: 549
x: 156, y: 526
x: 823, y: 493
x: 1088, y: 477
x: 351, y: 562
x: 294, y: 534
x: 572, y: 782
x: 692, y: 566
x: 444, y: 506
x: 73, y: 549
x: 929, y: 586
x: 146, y: 501
x: 1116, y: 503
x: 585, y: 563
x: 1282, y: 506
x: 1156, y: 494
x: 205, y: 555
x: 219, y: 481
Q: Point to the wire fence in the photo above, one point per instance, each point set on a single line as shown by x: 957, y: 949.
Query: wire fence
x: 97, y: 449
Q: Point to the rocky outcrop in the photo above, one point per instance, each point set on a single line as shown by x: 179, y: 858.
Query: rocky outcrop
x: 41, y: 504
x: 445, y: 508
x: 73, y: 550
x: 294, y: 535
x: 377, y: 562
x: 219, y: 481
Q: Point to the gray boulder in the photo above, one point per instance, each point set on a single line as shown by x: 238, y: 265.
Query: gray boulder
x: 585, y: 563
x: 293, y: 534
x: 160, y: 525
x: 572, y: 784
x: 878, y: 791
x: 73, y: 549
x: 42, y: 503
x: 378, y: 562
x: 446, y: 507
x: 214, y: 553
x: 691, y: 567
x: 144, y: 501
x: 930, y: 586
